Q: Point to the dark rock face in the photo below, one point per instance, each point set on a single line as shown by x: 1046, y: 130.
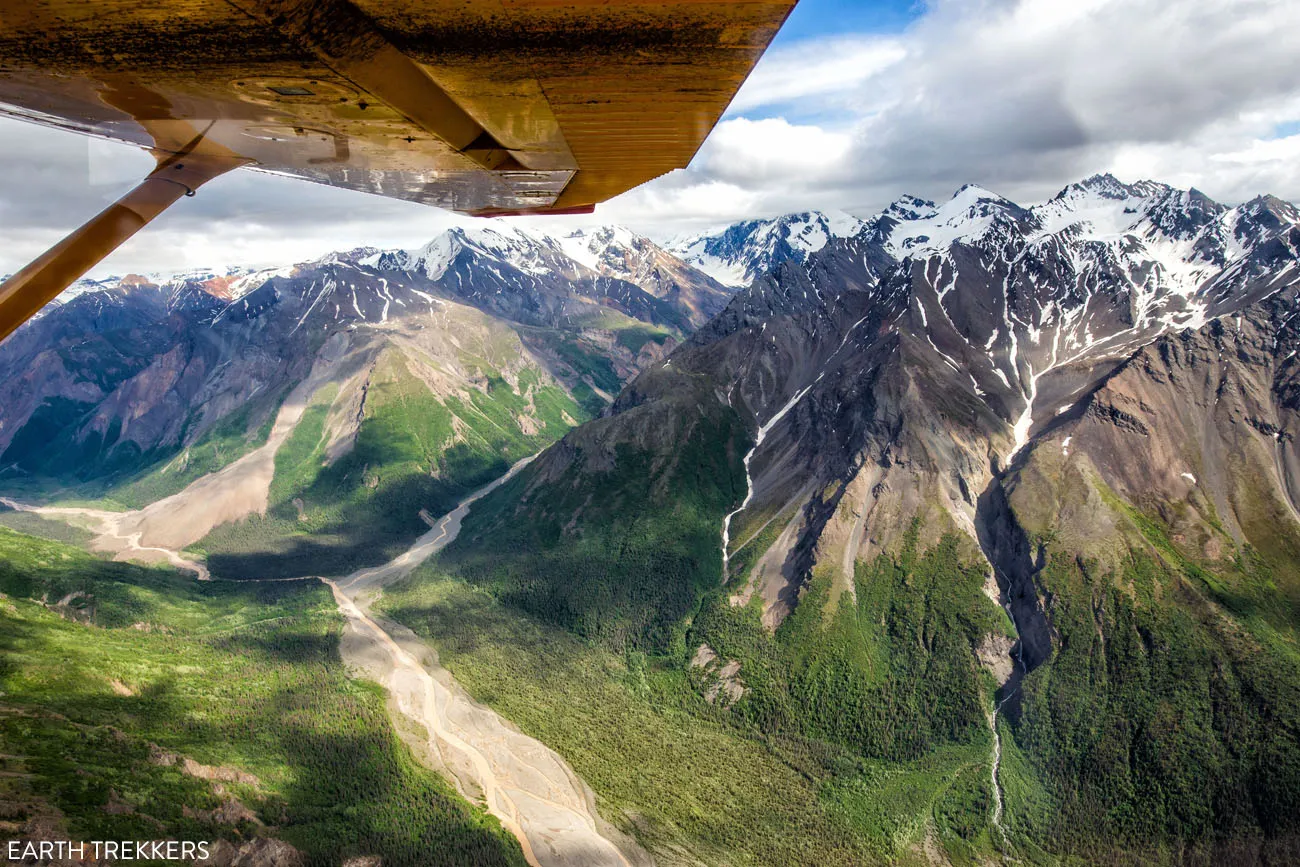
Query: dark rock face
x: 931, y: 350
x: 1197, y: 427
x: 1014, y: 561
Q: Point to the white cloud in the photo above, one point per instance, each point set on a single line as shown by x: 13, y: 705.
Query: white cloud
x: 680, y: 203
x: 1025, y: 97
x: 826, y: 68
x: 772, y: 151
x: 1280, y: 153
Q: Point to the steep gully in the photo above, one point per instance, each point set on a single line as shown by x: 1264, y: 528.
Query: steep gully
x: 749, y: 478
x: 531, y: 790
x: 1006, y: 547
x: 1009, y: 553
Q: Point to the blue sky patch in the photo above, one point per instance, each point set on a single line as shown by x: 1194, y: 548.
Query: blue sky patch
x: 1286, y: 130
x: 813, y: 18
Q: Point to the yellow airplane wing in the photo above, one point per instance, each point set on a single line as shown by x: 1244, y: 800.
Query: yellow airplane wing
x: 481, y: 106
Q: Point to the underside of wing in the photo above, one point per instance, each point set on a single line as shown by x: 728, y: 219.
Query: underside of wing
x: 480, y: 106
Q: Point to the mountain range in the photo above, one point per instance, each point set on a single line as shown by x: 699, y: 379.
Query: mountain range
x: 976, y: 472
x: 135, y: 388
x: 974, y: 527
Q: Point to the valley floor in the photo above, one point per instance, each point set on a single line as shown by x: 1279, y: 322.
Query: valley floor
x: 525, y: 784
x: 139, y: 704
x: 529, y: 788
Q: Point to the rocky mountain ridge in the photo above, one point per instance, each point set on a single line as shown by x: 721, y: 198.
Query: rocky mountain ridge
x: 1080, y: 413
x: 740, y: 253
x: 164, y: 357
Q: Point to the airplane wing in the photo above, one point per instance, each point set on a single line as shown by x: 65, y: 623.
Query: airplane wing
x: 489, y: 107
x: 480, y: 106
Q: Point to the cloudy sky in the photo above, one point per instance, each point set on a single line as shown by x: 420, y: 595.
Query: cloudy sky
x: 858, y: 102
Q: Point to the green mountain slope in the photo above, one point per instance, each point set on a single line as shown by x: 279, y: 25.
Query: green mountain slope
x: 1166, y: 715
x: 1087, y: 656
x: 409, y: 424
x: 665, y: 764
x: 136, y: 704
x: 601, y: 506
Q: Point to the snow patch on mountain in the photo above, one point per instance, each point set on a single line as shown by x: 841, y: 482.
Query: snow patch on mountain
x: 512, y: 245
x: 970, y: 214
x: 76, y: 290
x: 736, y: 255
x: 1101, y: 208
x: 431, y: 260
x: 602, y: 249
x: 1101, y: 269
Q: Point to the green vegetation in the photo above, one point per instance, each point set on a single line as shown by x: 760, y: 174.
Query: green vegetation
x: 1165, y: 727
x: 588, y: 363
x: 413, y: 451
x: 634, y: 337
x: 893, y: 677
x: 893, y: 680
x: 665, y: 765
x: 231, y: 438
x: 34, y: 525
x: 617, y: 558
x: 118, y: 476
x: 45, y: 445
x: 126, y: 670
x: 893, y: 805
x: 878, y: 708
x: 647, y: 552
x: 106, y: 472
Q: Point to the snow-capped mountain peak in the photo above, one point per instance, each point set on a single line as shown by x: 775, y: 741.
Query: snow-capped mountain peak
x: 1029, y: 307
x: 915, y: 226
x: 604, y: 249
x: 509, y: 245
x: 1182, y: 214
x: 1101, y: 207
x: 515, y: 246
x: 737, y: 254
x: 910, y: 208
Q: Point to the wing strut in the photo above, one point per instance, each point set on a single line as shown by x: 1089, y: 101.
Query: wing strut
x: 177, y: 174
